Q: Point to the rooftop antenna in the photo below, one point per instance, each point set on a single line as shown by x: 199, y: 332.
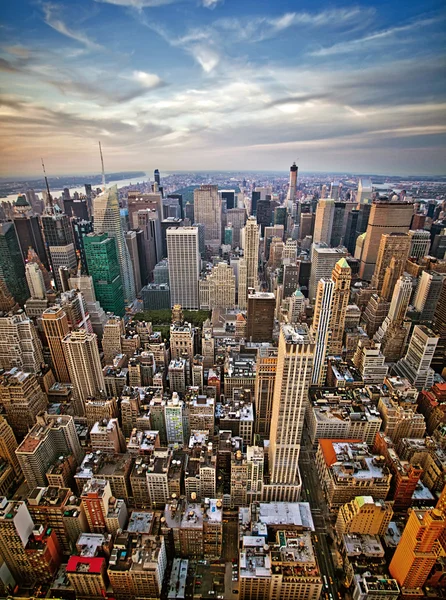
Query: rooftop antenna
x: 103, y: 171
x: 49, y: 197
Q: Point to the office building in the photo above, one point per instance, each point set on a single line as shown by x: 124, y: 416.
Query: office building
x: 291, y: 194
x: 55, y: 326
x: 370, y: 361
x: 294, y: 367
x: 418, y: 549
x: 427, y: 294
x: 62, y: 257
x: 324, y: 221
x: 84, y: 366
x: 237, y: 218
x: 250, y: 244
x: 107, y: 219
x: 184, y: 266
x: 321, y: 328
x: 261, y: 308
x: 103, y: 266
x: 364, y: 515
x: 341, y: 277
x: 323, y: 260
x: 132, y: 247
x: 8, y: 445
x: 420, y: 243
x: 156, y: 296
x: 207, y: 211
x: 35, y: 281
x: 365, y: 191
x: 19, y: 343
x: 12, y: 266
x: 374, y: 587
x: 16, y: 525
x: 22, y: 399
x: 29, y: 232
x: 415, y: 366
x: 392, y: 247
x: 385, y: 217
x: 111, y: 340
x: 221, y: 286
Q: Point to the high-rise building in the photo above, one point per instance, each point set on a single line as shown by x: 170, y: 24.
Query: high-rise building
x: 321, y: 328
x: 264, y: 390
x: 35, y: 281
x: 8, y: 445
x: 427, y: 294
x: 29, y: 232
x: 55, y: 327
x: 184, y: 266
x: 111, y: 340
x: 323, y: 260
x: 261, y: 308
x: 12, y: 266
x: 132, y: 246
x: 291, y: 194
x: 418, y: 549
x: 57, y: 232
x: 370, y: 361
x: 19, y: 343
x: 341, y: 276
x: 294, y: 367
x: 222, y: 286
x: 416, y: 365
x: 84, y: 366
x: 22, y: 399
x: 16, y: 525
x: 103, y: 266
x: 107, y: 219
x: 365, y: 516
x: 62, y: 257
x: 324, y: 221
x: 420, y: 242
x: 207, y: 210
x: 251, y: 239
x: 392, y: 255
x: 385, y: 217
x: 242, y: 290
x: 365, y: 190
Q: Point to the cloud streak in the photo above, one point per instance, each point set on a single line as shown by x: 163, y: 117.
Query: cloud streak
x: 53, y: 20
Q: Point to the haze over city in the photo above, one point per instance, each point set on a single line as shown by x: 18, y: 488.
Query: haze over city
x: 207, y: 84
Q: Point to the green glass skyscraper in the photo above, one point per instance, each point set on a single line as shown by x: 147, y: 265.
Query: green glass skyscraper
x: 103, y: 266
x: 12, y: 267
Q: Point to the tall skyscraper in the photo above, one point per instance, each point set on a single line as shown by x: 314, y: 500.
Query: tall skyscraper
x: 420, y: 242
x: 222, y: 286
x: 392, y: 255
x: 55, y: 327
x: 418, y: 549
x: 365, y: 191
x: 107, y: 219
x: 29, y: 233
x: 84, y: 366
x: 416, y: 365
x: 321, y: 328
x: 132, y: 246
x: 342, y: 277
x: 22, y: 398
x: 59, y: 241
x: 291, y: 195
x: 103, y: 266
x: 207, y: 210
x: 294, y: 367
x: 62, y: 257
x: 261, y: 308
x: 8, y: 445
x: 16, y: 525
x: 266, y: 366
x: 427, y: 295
x: 19, y: 343
x: 400, y: 298
x: 251, y: 239
x: 323, y: 260
x: 324, y: 221
x: 12, y: 266
x: 184, y: 266
x: 35, y: 281
x: 385, y: 217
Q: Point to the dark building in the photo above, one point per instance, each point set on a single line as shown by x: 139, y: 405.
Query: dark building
x: 350, y: 231
x: 363, y: 219
x: 178, y: 197
x: 81, y: 228
x: 57, y: 230
x: 229, y: 196
x: 157, y: 177
x: 156, y: 296
x: 141, y: 244
x: 304, y: 276
x: 189, y: 211
x: 280, y: 216
x: 29, y: 234
x: 76, y: 208
x: 337, y: 229
x: 255, y: 198
x: 290, y: 279
x: 261, y: 307
x: 165, y: 225
x: 264, y: 215
x: 12, y: 266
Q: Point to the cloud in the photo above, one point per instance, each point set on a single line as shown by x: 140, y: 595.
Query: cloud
x: 52, y: 19
x: 386, y: 36
x: 147, y: 80
x: 210, y: 3
x: 5, y: 65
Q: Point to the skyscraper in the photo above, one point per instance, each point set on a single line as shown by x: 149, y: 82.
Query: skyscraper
x: 103, y: 266
x: 16, y: 525
x: 342, y: 277
x: 261, y: 308
x: 392, y: 255
x: 207, y: 210
x: 418, y: 548
x: 251, y: 239
x: 55, y: 326
x: 12, y: 267
x: 365, y: 190
x: 22, y: 398
x: 385, y: 217
x: 291, y: 195
x: 324, y: 221
x: 184, y: 266
x: 59, y: 241
x: 416, y: 365
x: 84, y: 366
x: 264, y: 390
x: 321, y: 328
x: 323, y: 260
x: 35, y: 281
x: 294, y: 367
x: 107, y: 219
x: 19, y: 343
x: 29, y: 233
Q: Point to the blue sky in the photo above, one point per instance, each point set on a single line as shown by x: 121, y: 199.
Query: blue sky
x: 222, y: 84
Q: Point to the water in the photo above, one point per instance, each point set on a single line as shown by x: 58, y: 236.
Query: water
x: 81, y: 189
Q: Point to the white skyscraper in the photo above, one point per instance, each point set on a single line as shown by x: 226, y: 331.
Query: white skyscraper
x: 251, y: 239
x: 107, y: 219
x: 293, y: 378
x: 207, y: 210
x: 324, y: 221
x: 35, y: 280
x: 184, y: 266
x: 321, y: 328
x: 400, y: 298
x: 416, y: 365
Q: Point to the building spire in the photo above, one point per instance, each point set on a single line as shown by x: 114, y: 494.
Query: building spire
x: 49, y: 197
x: 103, y: 171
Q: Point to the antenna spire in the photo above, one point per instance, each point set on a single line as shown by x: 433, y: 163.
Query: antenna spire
x: 49, y: 197
x: 102, y: 163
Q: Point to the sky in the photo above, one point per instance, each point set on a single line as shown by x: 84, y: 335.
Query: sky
x: 222, y: 85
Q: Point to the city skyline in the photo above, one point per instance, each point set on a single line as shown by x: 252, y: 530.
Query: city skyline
x: 216, y: 85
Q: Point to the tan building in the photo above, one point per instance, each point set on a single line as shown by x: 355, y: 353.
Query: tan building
x: 222, y: 286
x: 182, y: 341
x: 111, y: 339
x: 19, y: 343
x: 16, y: 525
x: 22, y: 398
x: 8, y: 445
x: 106, y: 436
x: 364, y: 515
x: 392, y: 255
x: 55, y: 327
x: 342, y: 277
x: 251, y: 240
x: 207, y: 211
x: 242, y: 290
x: 88, y: 576
x: 261, y: 308
x: 264, y: 390
x: 324, y: 221
x: 385, y: 217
